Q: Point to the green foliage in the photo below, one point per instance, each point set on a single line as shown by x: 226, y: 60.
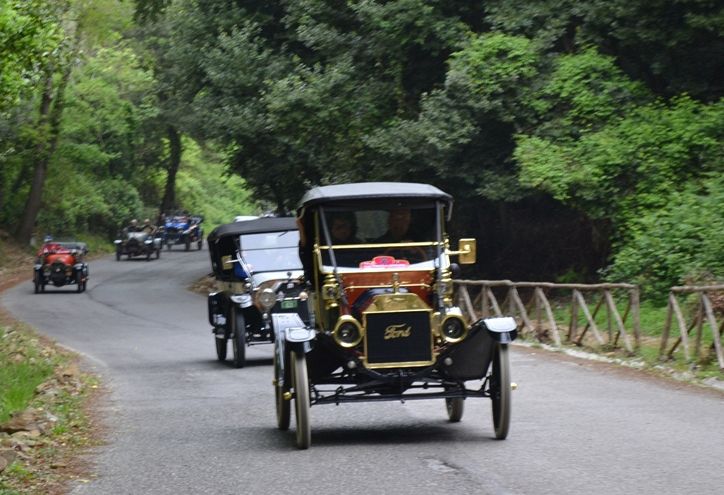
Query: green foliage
x: 29, y: 34
x: 204, y: 188
x: 681, y: 242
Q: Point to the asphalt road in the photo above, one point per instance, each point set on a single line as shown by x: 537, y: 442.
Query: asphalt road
x: 179, y: 422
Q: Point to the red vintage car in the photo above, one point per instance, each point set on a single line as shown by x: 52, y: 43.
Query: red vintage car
x: 59, y: 264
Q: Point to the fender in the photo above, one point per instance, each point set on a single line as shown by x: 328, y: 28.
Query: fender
x: 289, y: 331
x: 503, y: 329
x: 289, y: 327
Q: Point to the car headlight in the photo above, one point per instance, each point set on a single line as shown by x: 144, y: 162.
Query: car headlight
x: 266, y: 298
x: 348, y: 332
x: 453, y: 329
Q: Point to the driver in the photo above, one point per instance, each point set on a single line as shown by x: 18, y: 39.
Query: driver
x: 398, y: 226
x: 133, y: 226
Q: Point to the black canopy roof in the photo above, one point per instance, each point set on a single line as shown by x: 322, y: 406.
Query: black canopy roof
x: 267, y: 224
x: 372, y: 191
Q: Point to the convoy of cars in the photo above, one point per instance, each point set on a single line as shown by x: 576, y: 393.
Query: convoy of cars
x: 355, y: 294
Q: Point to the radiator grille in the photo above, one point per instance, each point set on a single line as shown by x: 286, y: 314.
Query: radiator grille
x: 398, y: 339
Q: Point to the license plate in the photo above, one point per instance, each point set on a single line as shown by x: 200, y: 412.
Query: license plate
x: 289, y: 304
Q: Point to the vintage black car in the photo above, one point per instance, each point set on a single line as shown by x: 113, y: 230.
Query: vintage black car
x: 132, y: 244
x: 258, y: 273
x: 60, y: 263
x: 384, y: 324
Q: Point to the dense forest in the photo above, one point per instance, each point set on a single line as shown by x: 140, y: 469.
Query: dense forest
x: 581, y: 139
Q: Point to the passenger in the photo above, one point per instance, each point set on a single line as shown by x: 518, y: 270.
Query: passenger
x: 343, y: 228
x: 133, y: 226
x: 148, y: 227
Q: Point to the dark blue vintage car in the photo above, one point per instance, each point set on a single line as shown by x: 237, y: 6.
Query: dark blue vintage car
x: 183, y: 229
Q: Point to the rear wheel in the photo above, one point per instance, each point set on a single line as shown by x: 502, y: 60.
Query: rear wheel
x: 500, y: 391
x: 284, y: 407
x: 301, y: 399
x: 455, y: 407
x: 238, y: 337
x: 221, y: 346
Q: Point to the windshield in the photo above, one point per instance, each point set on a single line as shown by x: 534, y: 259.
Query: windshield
x: 271, y: 251
x: 394, y: 236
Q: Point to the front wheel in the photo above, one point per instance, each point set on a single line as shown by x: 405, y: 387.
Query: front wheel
x: 500, y: 391
x: 158, y: 253
x: 238, y: 337
x: 187, y: 242
x: 36, y: 282
x: 221, y: 345
x: 79, y: 282
x: 301, y: 399
x: 455, y: 407
x: 118, y: 255
x: 283, y: 406
x: 200, y: 244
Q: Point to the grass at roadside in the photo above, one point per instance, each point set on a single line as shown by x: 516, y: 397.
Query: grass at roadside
x: 22, y: 369
x: 42, y: 384
x: 44, y: 424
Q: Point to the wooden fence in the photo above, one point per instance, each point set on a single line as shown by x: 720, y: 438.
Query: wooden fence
x: 485, y: 304
x: 704, y: 312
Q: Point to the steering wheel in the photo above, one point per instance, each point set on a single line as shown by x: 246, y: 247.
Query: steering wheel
x: 413, y: 254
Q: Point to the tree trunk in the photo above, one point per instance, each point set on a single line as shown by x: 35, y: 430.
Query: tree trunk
x: 49, y: 127
x: 51, y: 111
x: 174, y: 161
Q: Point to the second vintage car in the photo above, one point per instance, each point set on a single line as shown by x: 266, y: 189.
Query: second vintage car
x: 258, y: 272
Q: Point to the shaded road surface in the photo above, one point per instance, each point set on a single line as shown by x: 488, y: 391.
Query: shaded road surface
x: 181, y: 423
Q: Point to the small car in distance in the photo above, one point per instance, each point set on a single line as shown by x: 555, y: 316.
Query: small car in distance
x: 258, y: 274
x: 140, y: 243
x: 61, y: 263
x: 183, y: 229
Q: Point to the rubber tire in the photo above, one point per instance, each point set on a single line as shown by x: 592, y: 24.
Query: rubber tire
x: 168, y: 246
x: 79, y: 282
x: 158, y: 253
x: 283, y: 407
x: 500, y: 391
x: 238, y: 337
x: 301, y: 400
x: 221, y: 346
x: 455, y: 408
x: 118, y: 255
x: 36, y: 283
x: 200, y: 244
x: 188, y: 244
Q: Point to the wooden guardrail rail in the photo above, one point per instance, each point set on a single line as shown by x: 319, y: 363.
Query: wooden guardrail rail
x: 486, y: 303
x: 704, y: 312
